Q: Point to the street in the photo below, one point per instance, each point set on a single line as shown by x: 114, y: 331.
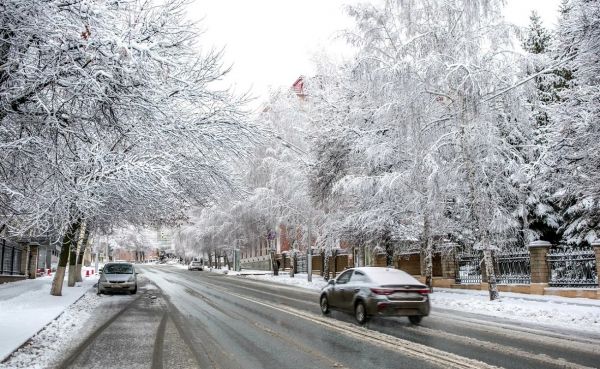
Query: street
x: 184, y: 319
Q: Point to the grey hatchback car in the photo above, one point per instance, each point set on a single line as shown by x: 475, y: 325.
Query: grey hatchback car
x: 375, y: 291
x: 117, y: 277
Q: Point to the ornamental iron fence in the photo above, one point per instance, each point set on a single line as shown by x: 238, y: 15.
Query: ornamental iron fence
x: 513, y: 267
x: 468, y: 267
x: 572, y: 267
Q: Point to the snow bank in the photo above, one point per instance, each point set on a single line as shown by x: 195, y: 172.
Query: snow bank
x: 563, y: 312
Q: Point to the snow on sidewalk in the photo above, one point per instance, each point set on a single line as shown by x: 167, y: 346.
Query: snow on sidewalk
x: 561, y: 312
x: 26, y: 307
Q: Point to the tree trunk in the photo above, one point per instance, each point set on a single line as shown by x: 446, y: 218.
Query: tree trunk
x: 335, y: 266
x: 389, y: 251
x: 227, y: 261
x: 72, y: 264
x: 325, y: 268
x: 82, y: 248
x: 491, y: 274
x: 428, y: 251
x: 292, y: 264
x: 63, y: 259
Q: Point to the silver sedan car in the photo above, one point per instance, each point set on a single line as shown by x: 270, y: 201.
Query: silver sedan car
x: 117, y: 277
x: 375, y: 291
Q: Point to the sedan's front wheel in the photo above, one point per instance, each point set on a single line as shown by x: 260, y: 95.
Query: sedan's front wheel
x: 360, y: 313
x: 324, y: 305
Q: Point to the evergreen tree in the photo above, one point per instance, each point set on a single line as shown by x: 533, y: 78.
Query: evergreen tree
x: 538, y: 214
x: 574, y: 153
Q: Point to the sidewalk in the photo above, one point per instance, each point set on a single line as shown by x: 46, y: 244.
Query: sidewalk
x: 26, y: 307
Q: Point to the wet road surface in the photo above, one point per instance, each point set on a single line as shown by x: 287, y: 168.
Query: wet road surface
x: 185, y: 319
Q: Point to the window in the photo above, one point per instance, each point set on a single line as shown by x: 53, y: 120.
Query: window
x: 344, y: 277
x: 359, y: 277
x: 118, y: 269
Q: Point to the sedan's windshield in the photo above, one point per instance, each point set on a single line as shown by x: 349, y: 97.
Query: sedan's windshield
x: 118, y: 269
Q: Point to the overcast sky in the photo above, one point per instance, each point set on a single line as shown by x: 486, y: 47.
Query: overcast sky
x: 269, y: 43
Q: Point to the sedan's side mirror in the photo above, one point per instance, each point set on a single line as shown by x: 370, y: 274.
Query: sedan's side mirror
x: 100, y: 271
x: 331, y: 282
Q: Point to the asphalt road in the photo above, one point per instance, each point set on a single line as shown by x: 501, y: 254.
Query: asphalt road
x: 184, y: 319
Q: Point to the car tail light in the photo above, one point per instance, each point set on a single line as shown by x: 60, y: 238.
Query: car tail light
x: 425, y: 291
x: 382, y: 291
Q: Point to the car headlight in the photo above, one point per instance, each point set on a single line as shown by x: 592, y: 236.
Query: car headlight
x: 131, y: 279
x: 102, y: 278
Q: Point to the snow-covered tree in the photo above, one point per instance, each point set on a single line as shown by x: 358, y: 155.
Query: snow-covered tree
x: 575, y: 133
x: 421, y: 117
x: 108, y: 111
x: 538, y: 212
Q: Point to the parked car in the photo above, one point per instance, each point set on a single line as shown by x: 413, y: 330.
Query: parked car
x: 195, y: 265
x: 374, y: 291
x: 118, y: 277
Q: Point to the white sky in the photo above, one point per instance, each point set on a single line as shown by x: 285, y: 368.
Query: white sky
x: 269, y: 43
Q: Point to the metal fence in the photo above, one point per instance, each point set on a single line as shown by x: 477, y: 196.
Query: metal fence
x: 301, y: 264
x: 10, y: 258
x: 513, y: 267
x: 572, y: 267
x: 468, y: 267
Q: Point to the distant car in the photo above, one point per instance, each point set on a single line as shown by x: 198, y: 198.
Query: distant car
x: 118, y: 277
x: 375, y: 291
x: 195, y: 265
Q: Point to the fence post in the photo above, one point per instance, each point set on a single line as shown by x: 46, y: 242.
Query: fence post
x: 540, y: 272
x: 596, y: 246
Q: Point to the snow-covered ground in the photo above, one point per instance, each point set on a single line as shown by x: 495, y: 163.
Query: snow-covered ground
x: 26, y: 307
x: 562, y: 312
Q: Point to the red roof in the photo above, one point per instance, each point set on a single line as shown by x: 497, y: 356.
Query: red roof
x: 298, y: 86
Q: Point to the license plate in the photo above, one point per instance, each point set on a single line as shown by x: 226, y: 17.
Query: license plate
x: 404, y: 295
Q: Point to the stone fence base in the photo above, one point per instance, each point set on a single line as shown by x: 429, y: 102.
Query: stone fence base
x: 11, y: 278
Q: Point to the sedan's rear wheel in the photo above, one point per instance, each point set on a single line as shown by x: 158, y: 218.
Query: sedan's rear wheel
x: 324, y: 305
x: 360, y: 313
x: 415, y: 319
